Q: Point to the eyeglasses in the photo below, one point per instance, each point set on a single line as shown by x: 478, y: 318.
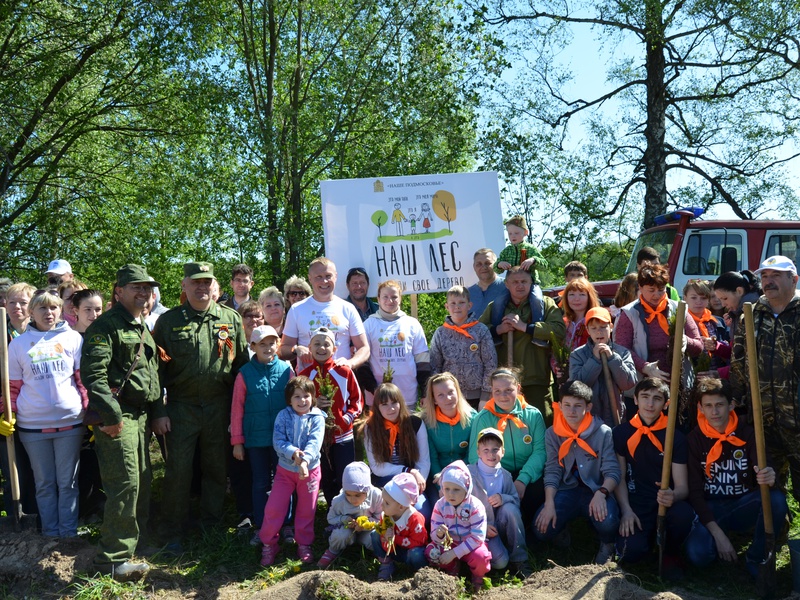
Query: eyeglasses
x: 242, y: 281
x: 297, y: 293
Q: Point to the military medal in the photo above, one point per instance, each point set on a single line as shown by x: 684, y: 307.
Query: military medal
x: 224, y: 339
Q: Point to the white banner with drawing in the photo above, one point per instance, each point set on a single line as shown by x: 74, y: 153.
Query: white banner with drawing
x: 421, y: 230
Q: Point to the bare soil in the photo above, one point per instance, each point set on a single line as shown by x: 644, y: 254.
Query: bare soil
x: 34, y: 566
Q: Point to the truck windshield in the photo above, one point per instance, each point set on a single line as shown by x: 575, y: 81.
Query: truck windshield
x: 660, y: 240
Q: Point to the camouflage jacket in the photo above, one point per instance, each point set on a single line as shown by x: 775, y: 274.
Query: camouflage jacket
x: 778, y: 351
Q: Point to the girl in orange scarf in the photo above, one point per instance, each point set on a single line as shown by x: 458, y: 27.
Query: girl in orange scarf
x: 697, y: 295
x: 396, y: 442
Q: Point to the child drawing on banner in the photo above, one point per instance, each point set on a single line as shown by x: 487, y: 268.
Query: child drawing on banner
x: 426, y: 215
x: 398, y: 217
x: 413, y: 220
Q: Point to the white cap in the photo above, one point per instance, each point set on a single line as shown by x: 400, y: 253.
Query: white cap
x: 59, y: 267
x: 777, y: 263
x: 261, y: 332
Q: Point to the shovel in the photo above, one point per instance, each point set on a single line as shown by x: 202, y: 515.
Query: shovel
x: 765, y: 580
x: 613, y: 397
x: 17, y: 521
x: 672, y: 419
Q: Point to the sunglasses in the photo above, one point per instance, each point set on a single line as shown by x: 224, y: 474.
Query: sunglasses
x: 297, y: 293
x: 357, y: 271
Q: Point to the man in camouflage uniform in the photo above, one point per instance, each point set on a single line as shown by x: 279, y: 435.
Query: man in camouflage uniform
x: 204, y: 346
x: 110, y: 348
x: 777, y: 326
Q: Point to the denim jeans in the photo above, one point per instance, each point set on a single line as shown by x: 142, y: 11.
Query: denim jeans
x: 55, y: 460
x: 677, y: 525
x: 736, y: 514
x: 573, y: 503
x: 263, y: 462
x: 333, y: 461
x: 413, y: 557
x: 510, y: 544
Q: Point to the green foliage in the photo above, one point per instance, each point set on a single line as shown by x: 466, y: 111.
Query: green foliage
x: 161, y: 132
x: 698, y: 109
x: 431, y: 311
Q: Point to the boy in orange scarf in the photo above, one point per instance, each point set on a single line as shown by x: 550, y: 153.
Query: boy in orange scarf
x: 639, y: 444
x: 581, y: 471
x: 724, y: 479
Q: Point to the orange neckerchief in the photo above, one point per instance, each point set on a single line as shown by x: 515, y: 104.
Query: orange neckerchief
x: 562, y: 429
x: 642, y: 429
x: 442, y: 418
x: 701, y: 321
x: 657, y: 313
x: 503, y: 417
x: 709, y: 431
x: 462, y: 329
x: 393, y: 429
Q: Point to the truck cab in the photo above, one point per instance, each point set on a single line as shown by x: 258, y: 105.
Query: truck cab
x: 696, y: 249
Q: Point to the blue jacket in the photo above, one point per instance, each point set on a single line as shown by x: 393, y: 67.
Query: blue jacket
x: 298, y: 432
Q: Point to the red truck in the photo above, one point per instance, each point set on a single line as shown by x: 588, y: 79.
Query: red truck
x: 705, y: 249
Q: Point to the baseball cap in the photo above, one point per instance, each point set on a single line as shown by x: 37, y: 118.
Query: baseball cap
x: 261, y: 332
x: 598, y: 312
x: 59, y: 267
x: 778, y: 263
x: 490, y: 432
x: 326, y: 332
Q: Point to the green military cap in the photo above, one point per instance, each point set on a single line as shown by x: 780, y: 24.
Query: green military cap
x: 134, y: 274
x: 198, y: 270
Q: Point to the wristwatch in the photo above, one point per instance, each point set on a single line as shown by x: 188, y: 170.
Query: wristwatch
x: 603, y: 491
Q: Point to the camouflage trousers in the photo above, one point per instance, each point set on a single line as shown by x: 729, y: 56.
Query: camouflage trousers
x: 125, y: 470
x: 783, y: 448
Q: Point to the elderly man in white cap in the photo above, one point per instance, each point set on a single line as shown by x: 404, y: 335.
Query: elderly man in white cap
x: 777, y: 324
x: 59, y: 271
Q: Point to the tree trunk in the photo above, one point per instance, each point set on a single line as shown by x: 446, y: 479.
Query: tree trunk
x: 295, y: 231
x: 655, y: 156
x: 271, y: 154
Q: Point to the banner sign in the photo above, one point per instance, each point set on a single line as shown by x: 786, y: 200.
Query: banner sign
x: 421, y: 230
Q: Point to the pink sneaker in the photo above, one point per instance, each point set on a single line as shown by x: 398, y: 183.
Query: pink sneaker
x: 304, y: 554
x: 268, y: 554
x: 327, y: 559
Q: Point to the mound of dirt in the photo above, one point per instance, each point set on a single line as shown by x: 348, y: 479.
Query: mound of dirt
x: 588, y: 582
x: 31, y: 560
x: 427, y: 584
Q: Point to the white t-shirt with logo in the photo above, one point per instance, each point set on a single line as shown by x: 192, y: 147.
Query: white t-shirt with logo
x: 397, y: 342
x: 339, y: 316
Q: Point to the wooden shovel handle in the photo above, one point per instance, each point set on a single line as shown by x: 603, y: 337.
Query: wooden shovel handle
x: 674, y: 393
x: 758, y: 417
x: 6, y: 390
x: 613, y: 397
